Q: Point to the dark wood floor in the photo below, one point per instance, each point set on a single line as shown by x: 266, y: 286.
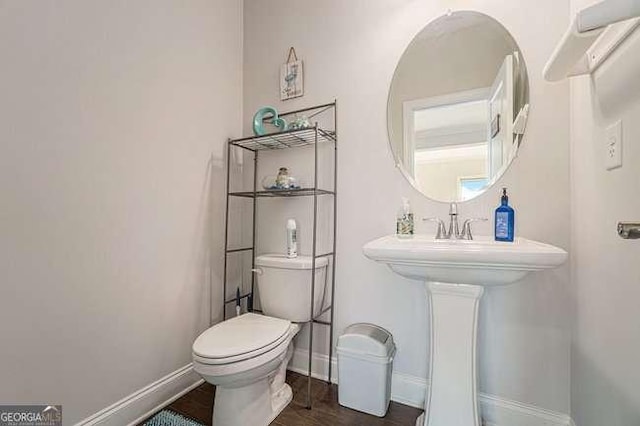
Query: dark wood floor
x: 198, y: 405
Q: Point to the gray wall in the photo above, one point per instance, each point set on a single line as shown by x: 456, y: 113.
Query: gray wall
x: 113, y: 118
x: 605, y: 270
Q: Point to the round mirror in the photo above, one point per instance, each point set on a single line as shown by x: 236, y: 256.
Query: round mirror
x: 458, y: 106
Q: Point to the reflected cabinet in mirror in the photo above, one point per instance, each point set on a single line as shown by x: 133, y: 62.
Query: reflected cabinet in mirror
x: 458, y: 106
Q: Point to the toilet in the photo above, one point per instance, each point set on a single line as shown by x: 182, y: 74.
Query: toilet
x: 246, y: 356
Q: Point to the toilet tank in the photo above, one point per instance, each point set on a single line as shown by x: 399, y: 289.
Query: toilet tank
x: 284, y: 286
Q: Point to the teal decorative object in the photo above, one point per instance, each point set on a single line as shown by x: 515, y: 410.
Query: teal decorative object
x: 258, y: 120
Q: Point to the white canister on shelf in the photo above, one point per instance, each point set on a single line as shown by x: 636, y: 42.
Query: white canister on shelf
x: 292, y: 238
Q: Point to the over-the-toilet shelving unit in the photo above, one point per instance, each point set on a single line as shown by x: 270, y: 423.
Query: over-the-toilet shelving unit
x: 591, y: 38
x: 290, y: 139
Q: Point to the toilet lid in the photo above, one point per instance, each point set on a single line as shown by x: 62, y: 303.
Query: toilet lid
x: 283, y: 262
x: 244, y: 334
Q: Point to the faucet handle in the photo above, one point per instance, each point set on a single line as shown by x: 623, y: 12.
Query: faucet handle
x: 441, y: 233
x: 466, y: 227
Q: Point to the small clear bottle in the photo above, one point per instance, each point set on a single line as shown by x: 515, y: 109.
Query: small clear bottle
x: 404, y: 220
x: 282, y: 180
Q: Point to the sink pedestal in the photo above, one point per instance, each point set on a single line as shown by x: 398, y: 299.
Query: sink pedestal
x: 452, y: 397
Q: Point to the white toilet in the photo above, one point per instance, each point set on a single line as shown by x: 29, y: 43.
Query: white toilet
x: 246, y: 356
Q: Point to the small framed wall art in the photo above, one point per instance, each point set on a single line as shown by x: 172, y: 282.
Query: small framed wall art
x: 291, y: 77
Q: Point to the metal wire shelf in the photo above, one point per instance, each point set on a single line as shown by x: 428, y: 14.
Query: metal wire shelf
x: 272, y: 193
x: 313, y: 137
x: 294, y: 138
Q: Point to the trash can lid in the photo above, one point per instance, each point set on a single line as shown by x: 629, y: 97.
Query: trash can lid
x: 367, y: 339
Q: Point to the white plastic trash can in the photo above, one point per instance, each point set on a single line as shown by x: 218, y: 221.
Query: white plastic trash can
x: 365, y: 360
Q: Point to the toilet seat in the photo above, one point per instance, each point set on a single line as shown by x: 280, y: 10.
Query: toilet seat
x: 256, y: 366
x: 241, y: 338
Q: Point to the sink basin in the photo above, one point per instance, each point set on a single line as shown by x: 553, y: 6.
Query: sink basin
x: 482, y: 261
x: 455, y: 273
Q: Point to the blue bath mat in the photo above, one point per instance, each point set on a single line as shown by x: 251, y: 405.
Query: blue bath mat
x: 170, y: 418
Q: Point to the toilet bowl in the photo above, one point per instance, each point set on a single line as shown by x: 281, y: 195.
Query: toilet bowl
x: 246, y: 357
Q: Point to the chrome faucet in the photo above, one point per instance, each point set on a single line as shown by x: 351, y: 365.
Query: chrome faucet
x: 441, y: 233
x: 466, y: 227
x: 454, y: 228
x: 454, y: 231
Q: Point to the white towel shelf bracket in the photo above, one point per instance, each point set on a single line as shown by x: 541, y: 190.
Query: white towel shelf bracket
x: 590, y: 39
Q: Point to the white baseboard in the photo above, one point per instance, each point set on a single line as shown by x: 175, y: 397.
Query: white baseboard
x: 141, y: 404
x: 319, y: 365
x: 498, y: 411
x: 410, y: 390
x: 405, y: 389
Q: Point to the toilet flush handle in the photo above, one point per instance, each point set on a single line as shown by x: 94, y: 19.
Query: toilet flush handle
x: 257, y: 271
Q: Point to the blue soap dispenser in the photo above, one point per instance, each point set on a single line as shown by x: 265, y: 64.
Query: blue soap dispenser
x: 505, y: 219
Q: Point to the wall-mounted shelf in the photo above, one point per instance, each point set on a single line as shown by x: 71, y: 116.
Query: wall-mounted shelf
x: 590, y: 38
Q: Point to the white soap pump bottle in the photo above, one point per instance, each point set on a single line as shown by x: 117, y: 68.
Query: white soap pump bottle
x: 292, y: 239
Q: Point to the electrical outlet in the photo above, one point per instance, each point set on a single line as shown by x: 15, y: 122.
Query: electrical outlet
x: 613, y: 146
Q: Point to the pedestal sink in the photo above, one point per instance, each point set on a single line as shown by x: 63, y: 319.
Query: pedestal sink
x: 455, y: 273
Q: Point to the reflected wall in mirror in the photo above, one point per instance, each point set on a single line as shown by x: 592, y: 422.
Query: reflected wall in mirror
x: 458, y: 106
